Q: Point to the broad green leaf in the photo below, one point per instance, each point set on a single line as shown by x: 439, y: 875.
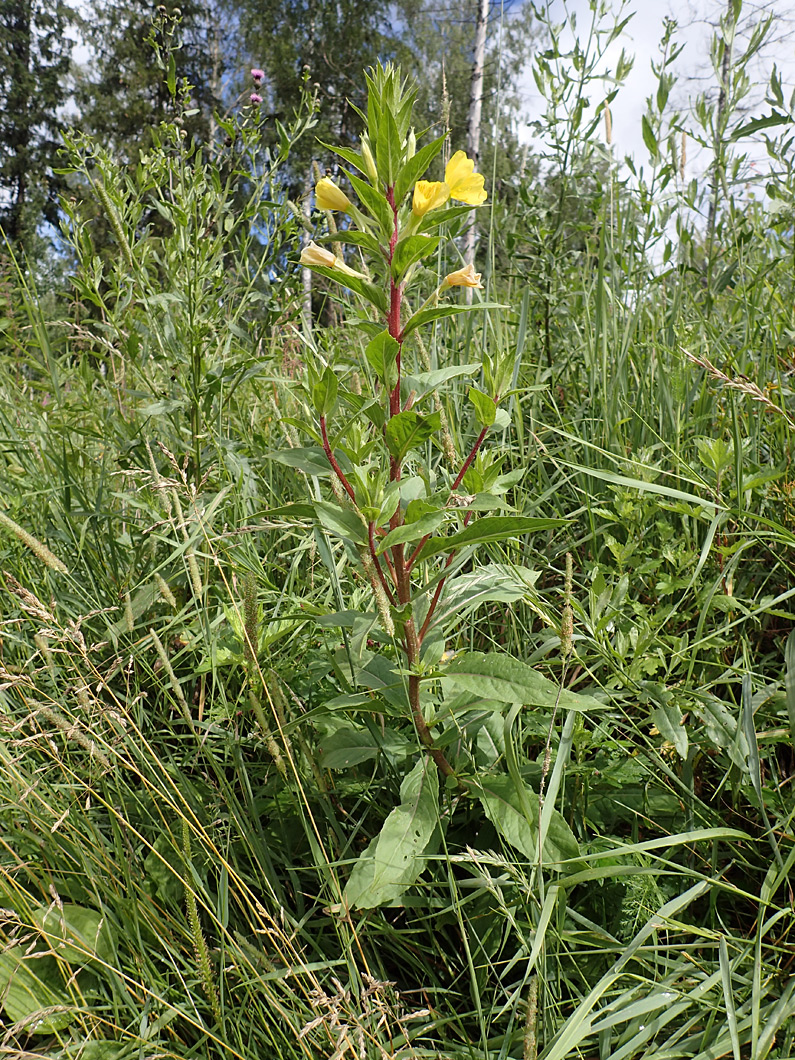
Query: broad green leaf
x: 312, y: 459
x: 425, y: 316
x: 668, y: 719
x: 350, y: 747
x: 489, y: 528
x: 495, y: 581
x: 412, y: 531
x: 505, y: 808
x: 415, y: 168
x: 381, y: 352
x: 324, y: 393
x: 340, y: 521
x: 33, y: 992
x: 394, y: 860
x: 501, y: 677
x: 411, y: 249
x: 75, y: 933
x: 409, y: 428
x: 485, y: 407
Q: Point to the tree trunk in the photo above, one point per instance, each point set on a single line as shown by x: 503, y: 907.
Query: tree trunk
x: 475, y: 112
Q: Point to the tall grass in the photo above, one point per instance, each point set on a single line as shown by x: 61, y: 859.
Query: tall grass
x: 188, y: 772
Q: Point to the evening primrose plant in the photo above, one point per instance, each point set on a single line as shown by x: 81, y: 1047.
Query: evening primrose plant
x: 411, y: 510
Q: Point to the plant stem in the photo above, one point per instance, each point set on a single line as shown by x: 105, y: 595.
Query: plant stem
x: 333, y: 460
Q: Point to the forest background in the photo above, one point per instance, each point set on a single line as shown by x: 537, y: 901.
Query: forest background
x: 531, y: 798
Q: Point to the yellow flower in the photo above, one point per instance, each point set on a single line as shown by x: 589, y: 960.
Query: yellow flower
x: 315, y: 255
x: 466, y: 277
x: 465, y: 185
x: 329, y: 197
x: 429, y: 195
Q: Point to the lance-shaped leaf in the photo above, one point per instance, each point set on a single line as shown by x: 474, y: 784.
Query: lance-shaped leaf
x: 424, y: 382
x: 425, y: 316
x: 311, y: 459
x: 395, y: 859
x: 324, y: 393
x: 375, y: 203
x: 426, y: 524
x: 360, y: 286
x: 501, y: 677
x: 353, y: 237
x: 489, y: 528
x: 409, y: 428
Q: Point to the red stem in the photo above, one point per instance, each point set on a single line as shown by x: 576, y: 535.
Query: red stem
x: 376, y: 564
x: 412, y: 558
x: 333, y: 460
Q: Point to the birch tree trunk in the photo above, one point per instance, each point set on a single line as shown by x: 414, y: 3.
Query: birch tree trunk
x: 475, y: 112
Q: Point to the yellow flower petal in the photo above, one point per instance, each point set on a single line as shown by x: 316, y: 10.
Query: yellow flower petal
x: 329, y: 197
x: 465, y: 185
x: 466, y: 277
x: 429, y: 195
x: 312, y: 254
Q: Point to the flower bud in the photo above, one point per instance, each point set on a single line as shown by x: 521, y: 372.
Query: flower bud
x: 369, y: 162
x: 329, y: 197
x: 466, y: 277
x: 411, y: 144
x: 429, y: 195
x: 315, y: 255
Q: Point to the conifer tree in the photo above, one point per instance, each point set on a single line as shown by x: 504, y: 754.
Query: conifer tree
x: 35, y: 56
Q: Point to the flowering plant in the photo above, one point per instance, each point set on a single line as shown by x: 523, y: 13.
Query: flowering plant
x: 408, y: 506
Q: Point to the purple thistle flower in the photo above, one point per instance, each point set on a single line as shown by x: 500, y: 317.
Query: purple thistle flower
x: 257, y: 74
x: 255, y: 98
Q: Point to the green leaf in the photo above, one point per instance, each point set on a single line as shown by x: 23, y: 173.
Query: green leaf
x: 30, y: 984
x: 434, y: 218
x: 489, y: 528
x: 495, y: 581
x: 649, y: 139
x: 515, y: 816
x: 789, y: 658
x: 344, y: 524
x: 415, y: 167
x: 350, y: 747
x: 76, y: 934
x: 381, y: 352
x: 485, y: 407
x: 395, y: 859
x: 412, y: 531
x: 409, y: 428
x: 508, y: 680
x: 353, y: 237
x: 426, y: 381
x: 353, y: 158
x: 425, y: 316
x: 359, y: 286
x: 668, y: 719
x: 324, y: 393
x: 375, y: 203
x: 388, y: 148
x: 769, y: 121
x: 312, y: 459
x: 409, y: 250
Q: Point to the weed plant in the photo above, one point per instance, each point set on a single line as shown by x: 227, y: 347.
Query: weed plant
x: 207, y: 718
